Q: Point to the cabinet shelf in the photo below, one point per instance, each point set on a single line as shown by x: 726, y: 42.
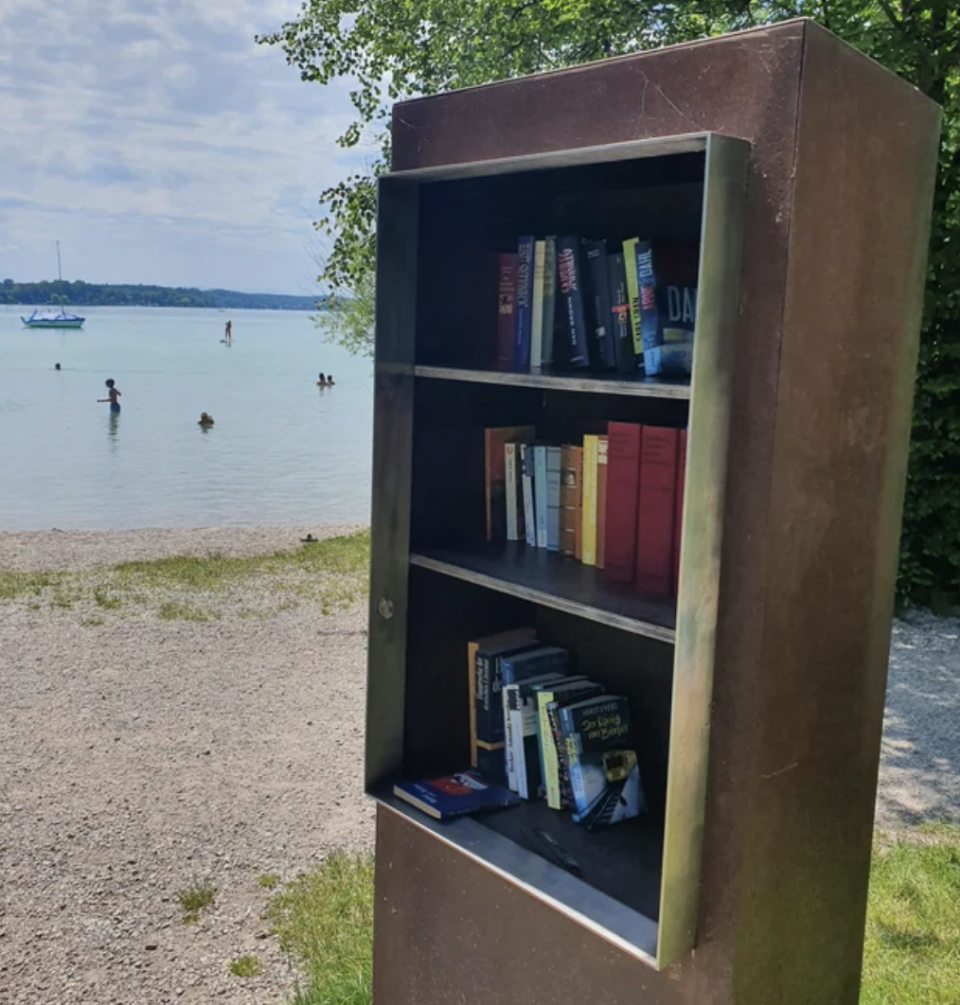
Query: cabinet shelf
x: 551, y: 580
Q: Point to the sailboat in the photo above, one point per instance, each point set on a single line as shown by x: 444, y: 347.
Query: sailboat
x: 47, y: 317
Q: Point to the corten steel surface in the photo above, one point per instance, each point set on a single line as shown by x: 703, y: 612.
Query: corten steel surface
x: 836, y: 225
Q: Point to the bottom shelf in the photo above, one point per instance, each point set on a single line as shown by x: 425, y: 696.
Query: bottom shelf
x: 616, y: 896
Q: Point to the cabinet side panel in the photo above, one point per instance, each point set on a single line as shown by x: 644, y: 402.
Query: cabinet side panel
x: 866, y: 155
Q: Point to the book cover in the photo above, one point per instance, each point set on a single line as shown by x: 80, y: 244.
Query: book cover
x: 540, y: 492
x: 527, y: 480
x: 588, y: 553
x: 621, y: 332
x: 506, y: 322
x: 533, y: 689
x: 571, y: 475
x: 633, y: 297
x: 667, y: 283
x: 549, y: 695
x: 514, y: 492
x: 523, y: 315
x: 495, y: 476
x: 454, y: 795
x: 553, y: 498
x: 623, y: 482
x: 602, y: 351
x: 678, y: 512
x: 549, y: 298
x: 522, y: 715
x: 571, y: 306
x: 656, y: 509
x: 536, y: 310
x: 602, y: 444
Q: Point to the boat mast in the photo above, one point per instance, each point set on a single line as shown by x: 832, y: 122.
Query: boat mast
x: 59, y: 270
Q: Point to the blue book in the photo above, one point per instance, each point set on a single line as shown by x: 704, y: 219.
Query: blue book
x: 540, y: 492
x: 553, y: 498
x: 520, y: 666
x: 454, y: 795
x: 523, y: 310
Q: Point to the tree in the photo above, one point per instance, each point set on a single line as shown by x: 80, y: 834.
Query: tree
x: 394, y: 49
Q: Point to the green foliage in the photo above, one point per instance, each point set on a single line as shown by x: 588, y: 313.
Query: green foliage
x: 194, y: 899
x: 394, y: 51
x: 246, y: 966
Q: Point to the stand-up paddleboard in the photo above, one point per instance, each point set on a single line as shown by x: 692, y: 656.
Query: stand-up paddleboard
x: 226, y: 341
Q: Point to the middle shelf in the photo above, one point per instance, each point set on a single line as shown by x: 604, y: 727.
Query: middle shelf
x: 547, y: 578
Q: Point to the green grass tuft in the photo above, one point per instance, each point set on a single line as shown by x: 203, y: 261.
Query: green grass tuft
x: 268, y: 880
x: 194, y: 899
x: 91, y: 622
x: 173, y: 610
x: 246, y: 966
x: 15, y: 584
x: 108, y: 601
x: 325, y: 919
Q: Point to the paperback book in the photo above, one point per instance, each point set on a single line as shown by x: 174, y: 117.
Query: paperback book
x: 455, y: 795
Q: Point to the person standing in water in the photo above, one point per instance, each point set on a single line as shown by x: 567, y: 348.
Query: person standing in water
x: 228, y: 332
x: 114, y: 396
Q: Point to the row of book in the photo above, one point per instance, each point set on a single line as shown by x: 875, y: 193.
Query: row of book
x: 613, y: 501
x: 577, y: 303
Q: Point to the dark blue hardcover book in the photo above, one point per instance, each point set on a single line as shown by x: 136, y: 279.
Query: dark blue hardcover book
x: 523, y: 311
x: 620, y: 315
x: 543, y: 659
x: 455, y: 795
x: 601, y: 347
x: 570, y: 309
x: 667, y: 281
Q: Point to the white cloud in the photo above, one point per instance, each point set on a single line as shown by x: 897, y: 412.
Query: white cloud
x: 159, y: 143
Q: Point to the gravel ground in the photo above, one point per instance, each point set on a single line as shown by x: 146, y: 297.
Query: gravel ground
x: 139, y: 757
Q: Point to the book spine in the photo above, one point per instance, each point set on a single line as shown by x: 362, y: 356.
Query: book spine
x: 603, y: 352
x: 553, y: 498
x: 656, y: 510
x: 506, y: 322
x: 589, y: 518
x: 514, y: 516
x: 560, y: 746
x: 569, y: 500
x: 602, y: 444
x: 549, y: 298
x: 524, y: 309
x: 623, y: 480
x: 536, y: 307
x: 540, y: 493
x: 620, y: 315
x: 531, y: 782
x: 578, y: 527
x: 472, y: 648
x: 551, y: 772
x: 674, y: 359
x: 570, y: 286
x: 510, y: 763
x: 575, y: 791
x: 529, y: 512
x: 678, y: 513
x: 633, y: 295
x: 647, y: 288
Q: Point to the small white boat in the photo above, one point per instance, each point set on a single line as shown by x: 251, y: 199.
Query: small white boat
x: 49, y: 318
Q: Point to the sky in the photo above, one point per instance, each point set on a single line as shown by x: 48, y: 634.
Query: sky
x: 159, y: 144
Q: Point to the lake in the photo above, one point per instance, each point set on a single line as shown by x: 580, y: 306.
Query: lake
x: 282, y: 451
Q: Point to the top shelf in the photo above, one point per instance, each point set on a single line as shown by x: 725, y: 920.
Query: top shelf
x: 641, y: 387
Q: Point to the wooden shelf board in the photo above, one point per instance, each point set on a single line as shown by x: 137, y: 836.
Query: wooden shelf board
x: 551, y: 580
x: 594, y: 383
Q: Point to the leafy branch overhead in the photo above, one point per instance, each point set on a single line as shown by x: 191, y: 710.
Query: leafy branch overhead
x: 391, y: 50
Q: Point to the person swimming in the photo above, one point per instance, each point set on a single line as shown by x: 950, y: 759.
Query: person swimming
x: 205, y: 420
x: 330, y: 380
x: 321, y: 380
x: 114, y: 394
x: 56, y: 366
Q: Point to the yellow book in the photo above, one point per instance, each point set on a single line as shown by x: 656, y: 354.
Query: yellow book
x: 633, y: 291
x: 588, y: 551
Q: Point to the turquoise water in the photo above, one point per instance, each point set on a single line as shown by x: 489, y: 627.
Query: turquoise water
x: 282, y: 450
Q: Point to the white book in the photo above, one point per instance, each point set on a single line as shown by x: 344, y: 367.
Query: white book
x: 510, y: 474
x: 536, y: 315
x: 509, y: 746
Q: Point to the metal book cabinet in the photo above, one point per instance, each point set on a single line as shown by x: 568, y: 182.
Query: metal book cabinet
x: 738, y: 702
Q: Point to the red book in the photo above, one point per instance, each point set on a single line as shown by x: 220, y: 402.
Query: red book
x: 601, y: 501
x: 678, y: 515
x: 506, y: 323
x: 620, y: 517
x: 495, y: 475
x: 657, y: 509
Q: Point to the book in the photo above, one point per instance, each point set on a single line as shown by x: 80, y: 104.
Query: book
x: 571, y: 475
x: 521, y: 712
x: 633, y: 297
x: 588, y: 554
x: 540, y: 492
x: 571, y: 302
x: 602, y: 444
x: 549, y: 298
x: 454, y: 795
x: 620, y: 329
x: 495, y: 478
x: 523, y: 316
x: 678, y: 512
x: 536, y: 307
x: 527, y: 479
x: 623, y: 482
x: 667, y: 283
x: 601, y: 348
x: 507, y: 297
x: 514, y: 492
x: 656, y: 510
x: 553, y: 498
x: 554, y: 694
x: 512, y: 636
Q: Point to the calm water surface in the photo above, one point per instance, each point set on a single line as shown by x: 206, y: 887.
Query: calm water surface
x: 282, y: 450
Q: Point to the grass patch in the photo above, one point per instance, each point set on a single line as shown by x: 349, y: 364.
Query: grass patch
x: 325, y: 919
x: 246, y: 966
x: 268, y: 880
x: 15, y: 584
x: 91, y: 622
x: 194, y: 899
x: 105, y: 600
x: 173, y: 610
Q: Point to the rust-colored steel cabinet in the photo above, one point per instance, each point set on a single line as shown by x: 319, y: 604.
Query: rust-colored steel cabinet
x: 804, y: 173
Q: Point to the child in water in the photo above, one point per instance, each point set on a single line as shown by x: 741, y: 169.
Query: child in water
x: 321, y: 380
x: 114, y: 394
x: 205, y: 420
